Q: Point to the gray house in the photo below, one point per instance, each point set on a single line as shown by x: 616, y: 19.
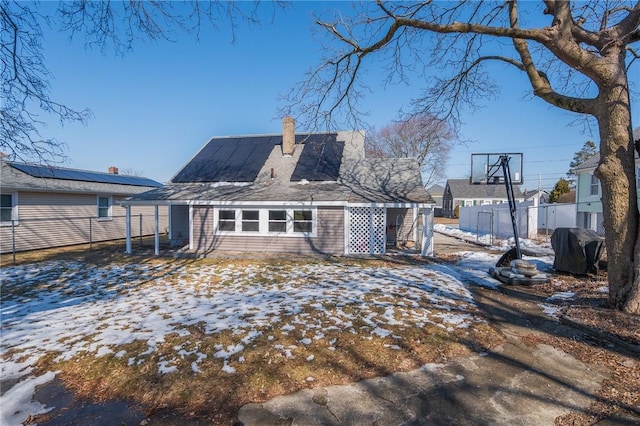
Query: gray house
x: 296, y: 193
x: 436, y: 192
x: 461, y: 192
x: 48, y: 206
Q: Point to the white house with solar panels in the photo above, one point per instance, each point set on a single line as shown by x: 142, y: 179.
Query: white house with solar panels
x: 304, y: 193
x: 48, y: 206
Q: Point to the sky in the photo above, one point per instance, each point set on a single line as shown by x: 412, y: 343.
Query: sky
x: 97, y: 311
x: 156, y: 106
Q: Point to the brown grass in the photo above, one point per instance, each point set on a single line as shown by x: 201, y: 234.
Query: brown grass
x: 265, y: 371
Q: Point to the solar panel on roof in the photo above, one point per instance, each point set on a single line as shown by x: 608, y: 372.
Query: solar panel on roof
x: 51, y: 172
x: 229, y: 160
x: 320, y: 159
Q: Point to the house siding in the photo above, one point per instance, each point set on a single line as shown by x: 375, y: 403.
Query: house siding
x: 48, y: 219
x: 400, y: 225
x: 329, y: 239
x: 179, y: 223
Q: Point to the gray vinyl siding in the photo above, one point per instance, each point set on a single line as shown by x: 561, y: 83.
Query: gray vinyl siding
x: 47, y: 219
x: 400, y: 224
x: 329, y: 239
x: 179, y: 223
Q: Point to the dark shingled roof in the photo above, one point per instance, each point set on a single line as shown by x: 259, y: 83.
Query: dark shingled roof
x: 322, y: 168
x: 240, y: 159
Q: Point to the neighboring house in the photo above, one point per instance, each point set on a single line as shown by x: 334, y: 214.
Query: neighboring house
x: 294, y: 193
x: 48, y: 206
x: 460, y: 192
x: 589, y: 193
x: 436, y: 192
x: 539, y: 196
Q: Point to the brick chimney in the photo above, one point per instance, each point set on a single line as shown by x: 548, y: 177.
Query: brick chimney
x: 113, y: 170
x: 288, y: 135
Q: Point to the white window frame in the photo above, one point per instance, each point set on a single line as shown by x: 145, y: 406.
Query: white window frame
x: 263, y: 221
x: 109, y: 207
x: 594, y: 186
x: 14, y: 210
x: 227, y: 220
x: 248, y: 221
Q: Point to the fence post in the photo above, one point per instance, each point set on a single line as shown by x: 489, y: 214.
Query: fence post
x: 13, y: 239
x: 141, y: 229
x: 90, y: 234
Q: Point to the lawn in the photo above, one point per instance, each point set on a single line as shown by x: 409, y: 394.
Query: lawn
x: 203, y: 337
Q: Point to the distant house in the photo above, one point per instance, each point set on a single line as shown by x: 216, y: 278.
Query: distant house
x: 436, y: 192
x: 48, y: 206
x: 295, y: 193
x: 589, y: 193
x: 540, y: 196
x: 460, y: 192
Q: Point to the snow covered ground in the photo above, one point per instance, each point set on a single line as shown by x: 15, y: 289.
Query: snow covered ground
x: 68, y: 308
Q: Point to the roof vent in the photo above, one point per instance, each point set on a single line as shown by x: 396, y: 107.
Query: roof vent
x: 288, y: 135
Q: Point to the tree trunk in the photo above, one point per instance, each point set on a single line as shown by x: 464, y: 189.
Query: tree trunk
x: 616, y: 172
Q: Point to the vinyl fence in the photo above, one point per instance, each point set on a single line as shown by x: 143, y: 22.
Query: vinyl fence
x: 532, y: 221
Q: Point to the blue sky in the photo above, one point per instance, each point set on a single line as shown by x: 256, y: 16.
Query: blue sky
x: 156, y: 106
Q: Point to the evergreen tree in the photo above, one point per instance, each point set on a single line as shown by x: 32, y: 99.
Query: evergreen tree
x: 562, y: 187
x: 589, y: 149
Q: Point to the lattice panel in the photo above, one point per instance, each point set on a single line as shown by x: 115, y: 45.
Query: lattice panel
x: 359, y: 230
x: 427, y: 232
x: 367, y: 230
x: 379, y: 230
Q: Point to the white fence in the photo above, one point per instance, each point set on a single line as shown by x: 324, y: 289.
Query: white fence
x: 532, y: 221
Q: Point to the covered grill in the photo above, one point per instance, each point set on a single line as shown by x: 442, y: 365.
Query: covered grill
x: 577, y: 251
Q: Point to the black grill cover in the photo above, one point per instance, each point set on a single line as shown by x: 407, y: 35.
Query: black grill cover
x: 576, y: 250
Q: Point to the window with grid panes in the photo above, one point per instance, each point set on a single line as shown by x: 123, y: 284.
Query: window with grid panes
x: 227, y: 220
x: 303, y: 221
x: 277, y: 221
x: 595, y: 183
x: 104, y: 207
x: 6, y: 207
x: 250, y: 221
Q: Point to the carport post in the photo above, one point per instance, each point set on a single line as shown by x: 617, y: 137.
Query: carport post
x: 155, y: 232
x: 127, y: 223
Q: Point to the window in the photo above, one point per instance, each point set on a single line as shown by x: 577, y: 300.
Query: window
x: 303, y: 221
x: 104, y: 207
x: 6, y: 208
x: 227, y: 220
x: 250, y: 220
x: 277, y: 221
x: 287, y: 222
x: 595, y: 183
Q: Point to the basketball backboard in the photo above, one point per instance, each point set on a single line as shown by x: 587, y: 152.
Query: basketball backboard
x: 487, y: 168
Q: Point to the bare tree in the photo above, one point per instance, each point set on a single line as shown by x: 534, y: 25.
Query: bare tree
x: 422, y: 137
x: 575, y: 56
x: 106, y: 25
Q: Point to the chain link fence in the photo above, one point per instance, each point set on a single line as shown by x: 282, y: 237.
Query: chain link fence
x: 35, y: 234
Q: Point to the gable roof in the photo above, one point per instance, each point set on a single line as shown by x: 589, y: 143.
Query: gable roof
x: 321, y: 169
x: 436, y: 190
x: 36, y: 177
x: 461, y: 188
